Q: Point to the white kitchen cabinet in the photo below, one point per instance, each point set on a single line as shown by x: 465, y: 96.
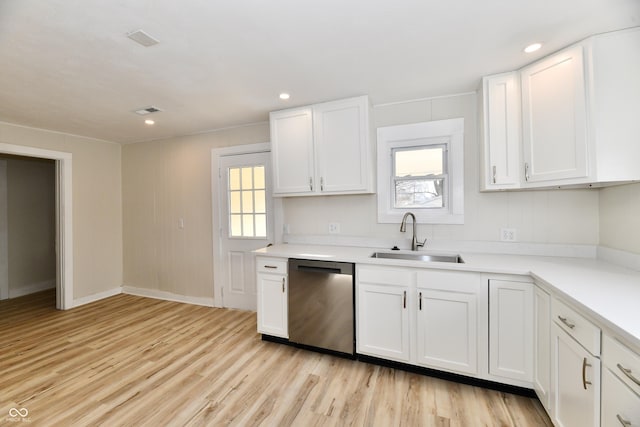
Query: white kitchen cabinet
x: 554, y: 117
x: 272, y: 290
x: 447, y: 330
x: 501, y: 134
x: 578, y: 122
x: 542, y: 346
x: 511, y: 330
x: 575, y: 381
x: 323, y: 149
x: 620, y: 405
x: 292, y: 151
x: 382, y: 312
x: 383, y: 322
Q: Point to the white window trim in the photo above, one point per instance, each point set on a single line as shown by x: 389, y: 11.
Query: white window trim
x: 450, y: 132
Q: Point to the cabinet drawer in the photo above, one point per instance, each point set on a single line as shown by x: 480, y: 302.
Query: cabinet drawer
x: 623, y: 362
x: 576, y: 325
x: 385, y: 276
x: 620, y: 406
x: 449, y: 281
x: 271, y: 265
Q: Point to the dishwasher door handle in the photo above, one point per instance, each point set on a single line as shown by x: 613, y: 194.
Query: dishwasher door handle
x: 324, y: 270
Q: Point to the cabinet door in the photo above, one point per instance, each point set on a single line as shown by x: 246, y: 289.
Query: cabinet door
x: 292, y: 151
x: 447, y: 330
x: 542, y: 346
x: 554, y: 118
x: 511, y: 329
x: 383, y: 321
x: 342, y: 147
x: 576, y: 383
x: 272, y: 305
x: 501, y: 131
x: 620, y: 405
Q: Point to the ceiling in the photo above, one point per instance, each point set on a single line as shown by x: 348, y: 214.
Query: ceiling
x: 67, y: 65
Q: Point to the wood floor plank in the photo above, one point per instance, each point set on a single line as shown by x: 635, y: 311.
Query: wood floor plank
x: 134, y: 361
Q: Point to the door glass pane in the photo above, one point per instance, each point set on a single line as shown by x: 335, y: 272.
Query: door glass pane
x: 234, y: 178
x: 261, y: 201
x: 261, y: 225
x: 247, y: 180
x: 258, y: 177
x: 247, y: 225
x: 234, y: 202
x: 247, y: 202
x: 236, y: 226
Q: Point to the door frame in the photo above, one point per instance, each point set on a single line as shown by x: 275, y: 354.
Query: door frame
x: 64, y: 217
x: 216, y: 209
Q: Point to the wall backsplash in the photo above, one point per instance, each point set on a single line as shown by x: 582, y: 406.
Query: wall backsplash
x: 620, y: 217
x: 552, y: 216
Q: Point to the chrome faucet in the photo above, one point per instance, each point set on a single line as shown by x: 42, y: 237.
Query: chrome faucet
x: 403, y: 227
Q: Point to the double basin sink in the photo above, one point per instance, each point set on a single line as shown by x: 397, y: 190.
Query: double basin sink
x: 456, y: 259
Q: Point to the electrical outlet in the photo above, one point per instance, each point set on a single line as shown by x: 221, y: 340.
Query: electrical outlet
x: 334, y: 228
x: 508, y: 235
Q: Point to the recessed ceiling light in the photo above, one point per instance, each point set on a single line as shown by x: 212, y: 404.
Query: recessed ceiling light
x: 149, y: 121
x: 284, y: 95
x: 532, y: 47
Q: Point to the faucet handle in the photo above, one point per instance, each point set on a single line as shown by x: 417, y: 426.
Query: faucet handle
x: 421, y: 244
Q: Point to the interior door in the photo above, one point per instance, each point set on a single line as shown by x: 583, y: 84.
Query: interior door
x: 246, y: 224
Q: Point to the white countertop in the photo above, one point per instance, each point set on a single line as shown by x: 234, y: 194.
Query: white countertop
x: 607, y: 293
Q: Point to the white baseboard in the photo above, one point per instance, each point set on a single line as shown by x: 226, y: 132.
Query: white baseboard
x: 95, y: 297
x: 618, y: 257
x: 167, y: 296
x: 32, y: 288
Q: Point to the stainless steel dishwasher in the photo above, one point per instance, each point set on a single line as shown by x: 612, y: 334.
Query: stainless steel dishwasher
x: 321, y: 304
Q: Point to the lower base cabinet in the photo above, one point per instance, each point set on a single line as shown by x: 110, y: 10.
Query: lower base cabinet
x: 620, y: 405
x: 447, y: 332
x: 383, y: 322
x: 576, y: 383
x: 272, y: 290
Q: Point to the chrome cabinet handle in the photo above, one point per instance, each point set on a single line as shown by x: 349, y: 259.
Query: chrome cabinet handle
x: 526, y: 171
x: 566, y: 322
x: 404, y: 299
x: 283, y: 285
x: 584, y: 373
x: 628, y: 373
x: 310, y: 183
x: 494, y: 174
x: 624, y: 422
x: 321, y: 184
x: 420, y: 301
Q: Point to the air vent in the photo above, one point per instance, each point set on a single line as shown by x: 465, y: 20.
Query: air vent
x: 147, y: 110
x: 139, y: 36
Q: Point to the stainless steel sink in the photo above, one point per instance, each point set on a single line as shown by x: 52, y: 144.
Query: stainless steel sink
x: 419, y: 257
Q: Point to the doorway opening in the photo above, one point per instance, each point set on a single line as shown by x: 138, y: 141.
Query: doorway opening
x: 63, y: 232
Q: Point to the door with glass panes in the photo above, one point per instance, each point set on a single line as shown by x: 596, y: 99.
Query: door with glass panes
x: 246, y: 224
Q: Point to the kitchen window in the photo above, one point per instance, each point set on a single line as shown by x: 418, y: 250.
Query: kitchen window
x: 421, y: 170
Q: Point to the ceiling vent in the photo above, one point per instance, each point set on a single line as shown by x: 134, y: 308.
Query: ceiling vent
x: 147, y: 110
x: 139, y: 36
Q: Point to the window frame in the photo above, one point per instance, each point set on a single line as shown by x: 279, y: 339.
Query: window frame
x: 449, y: 133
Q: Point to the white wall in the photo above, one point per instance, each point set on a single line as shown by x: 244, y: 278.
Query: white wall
x: 164, y: 181
x: 566, y: 216
x: 97, y: 204
x: 31, y: 225
x: 620, y: 217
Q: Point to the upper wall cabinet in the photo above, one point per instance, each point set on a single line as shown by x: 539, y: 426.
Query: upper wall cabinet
x: 577, y: 110
x: 322, y: 149
x: 500, y: 125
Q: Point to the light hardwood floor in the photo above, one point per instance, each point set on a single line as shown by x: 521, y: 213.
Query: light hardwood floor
x: 135, y: 361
